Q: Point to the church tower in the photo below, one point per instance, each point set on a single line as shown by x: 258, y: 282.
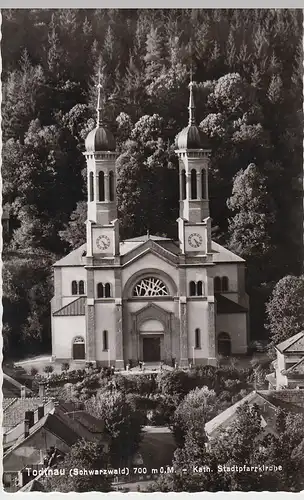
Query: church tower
x: 194, y: 224
x: 102, y: 225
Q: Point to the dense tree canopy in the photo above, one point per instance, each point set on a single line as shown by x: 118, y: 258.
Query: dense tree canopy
x: 247, y: 65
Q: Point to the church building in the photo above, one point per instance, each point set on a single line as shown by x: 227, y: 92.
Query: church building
x: 149, y: 298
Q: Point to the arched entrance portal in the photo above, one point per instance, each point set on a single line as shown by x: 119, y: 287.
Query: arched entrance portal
x: 224, y: 344
x: 151, y: 336
x: 78, y: 348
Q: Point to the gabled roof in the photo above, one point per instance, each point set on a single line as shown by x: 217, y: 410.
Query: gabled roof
x: 75, y: 308
x: 67, y: 427
x: 33, y: 485
x: 74, y: 258
x: 296, y: 369
x: 14, y: 409
x: 227, y: 306
x: 293, y: 344
x: 290, y: 400
x: 77, y: 257
x: 220, y: 421
x: 222, y: 254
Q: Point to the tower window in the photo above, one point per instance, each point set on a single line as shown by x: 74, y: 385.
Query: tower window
x: 183, y: 180
x: 193, y: 184
x: 100, y: 291
x: 204, y: 183
x: 74, y: 288
x: 225, y: 284
x: 105, y: 340
x: 217, y: 284
x: 199, y: 287
x: 197, y: 338
x: 81, y: 287
x: 101, y: 186
x: 192, y: 288
x: 107, y: 290
x: 91, y: 186
x: 111, y: 186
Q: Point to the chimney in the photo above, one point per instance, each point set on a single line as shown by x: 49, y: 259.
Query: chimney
x: 22, y: 392
x: 26, y: 428
x: 29, y: 416
x: 41, y: 391
x: 40, y: 412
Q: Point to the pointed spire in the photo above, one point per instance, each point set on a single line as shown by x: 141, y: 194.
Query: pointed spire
x: 191, y: 106
x: 98, y: 107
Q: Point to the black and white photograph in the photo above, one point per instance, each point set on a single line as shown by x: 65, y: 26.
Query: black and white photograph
x: 152, y: 250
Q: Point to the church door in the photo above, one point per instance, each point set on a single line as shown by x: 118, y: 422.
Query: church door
x: 78, y: 348
x: 151, y: 349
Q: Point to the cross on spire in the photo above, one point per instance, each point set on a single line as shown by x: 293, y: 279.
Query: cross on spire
x: 99, y: 86
x: 191, y: 106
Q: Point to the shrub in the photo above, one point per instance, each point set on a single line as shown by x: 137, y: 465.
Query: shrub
x: 48, y: 369
x: 33, y: 371
x: 65, y: 367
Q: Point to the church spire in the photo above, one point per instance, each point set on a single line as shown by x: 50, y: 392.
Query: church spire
x: 191, y: 106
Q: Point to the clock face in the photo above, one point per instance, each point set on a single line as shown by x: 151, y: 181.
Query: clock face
x: 195, y: 240
x: 103, y: 242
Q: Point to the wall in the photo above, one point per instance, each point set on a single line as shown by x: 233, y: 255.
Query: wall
x: 149, y: 261
x: 235, y: 325
x: 229, y: 270
x: 68, y: 275
x: 65, y: 329
x: 105, y: 320
x: 197, y: 312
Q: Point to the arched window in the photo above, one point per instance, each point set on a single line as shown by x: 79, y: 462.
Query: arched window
x: 107, y: 290
x: 105, y: 340
x: 199, y: 286
x: 217, y: 284
x: 81, y: 287
x: 91, y: 186
x: 192, y: 288
x: 111, y: 186
x: 183, y: 184
x: 150, y: 287
x: 74, y: 288
x: 197, y: 338
x: 224, y: 344
x: 78, y: 348
x: 101, y: 186
x: 193, y: 184
x: 100, y: 291
x: 204, y: 183
x: 225, y: 284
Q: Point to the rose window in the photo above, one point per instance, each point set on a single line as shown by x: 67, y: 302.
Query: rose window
x: 150, y: 287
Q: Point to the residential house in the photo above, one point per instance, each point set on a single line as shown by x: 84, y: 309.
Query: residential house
x: 57, y: 430
x: 269, y: 401
x: 289, y: 364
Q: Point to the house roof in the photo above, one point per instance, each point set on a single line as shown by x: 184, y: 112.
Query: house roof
x: 75, y: 308
x: 14, y: 409
x: 293, y: 344
x: 227, y: 306
x: 66, y: 427
x: 77, y: 257
x: 221, y: 420
x: 33, y: 485
x: 290, y: 400
x: 11, y: 388
x: 296, y: 369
